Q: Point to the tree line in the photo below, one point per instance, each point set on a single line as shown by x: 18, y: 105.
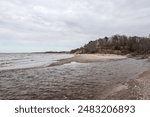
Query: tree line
x: 117, y: 44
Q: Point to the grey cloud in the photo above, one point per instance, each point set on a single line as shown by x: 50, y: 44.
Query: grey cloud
x: 71, y: 22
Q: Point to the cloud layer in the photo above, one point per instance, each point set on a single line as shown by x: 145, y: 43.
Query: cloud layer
x: 41, y: 25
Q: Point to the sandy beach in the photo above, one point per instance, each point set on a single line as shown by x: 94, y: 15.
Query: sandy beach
x: 87, y: 58
x: 86, y: 76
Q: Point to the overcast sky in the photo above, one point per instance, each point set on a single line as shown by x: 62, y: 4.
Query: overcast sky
x: 43, y: 25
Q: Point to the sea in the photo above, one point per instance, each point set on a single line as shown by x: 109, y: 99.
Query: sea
x: 27, y: 60
x: 27, y: 76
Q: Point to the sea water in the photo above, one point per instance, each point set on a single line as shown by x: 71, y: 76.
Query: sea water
x: 28, y: 60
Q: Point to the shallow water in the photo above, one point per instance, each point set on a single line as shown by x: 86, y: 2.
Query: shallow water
x: 15, y: 61
x: 69, y: 81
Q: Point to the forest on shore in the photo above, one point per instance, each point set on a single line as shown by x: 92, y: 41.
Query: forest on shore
x: 117, y: 44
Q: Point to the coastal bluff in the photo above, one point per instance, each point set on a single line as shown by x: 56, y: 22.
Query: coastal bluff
x: 117, y: 44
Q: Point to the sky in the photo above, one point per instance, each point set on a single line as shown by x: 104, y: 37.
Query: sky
x: 62, y: 25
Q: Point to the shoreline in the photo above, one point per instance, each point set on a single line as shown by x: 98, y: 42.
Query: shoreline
x: 138, y: 88
x: 133, y: 89
x: 144, y: 83
x: 88, y: 58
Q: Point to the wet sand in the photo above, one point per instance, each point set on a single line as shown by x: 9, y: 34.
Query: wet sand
x: 79, y: 77
x: 138, y: 88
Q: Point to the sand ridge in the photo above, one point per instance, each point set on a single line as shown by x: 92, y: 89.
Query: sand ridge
x: 86, y: 58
